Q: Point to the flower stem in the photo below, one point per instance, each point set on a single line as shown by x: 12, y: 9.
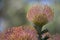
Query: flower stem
x: 38, y: 28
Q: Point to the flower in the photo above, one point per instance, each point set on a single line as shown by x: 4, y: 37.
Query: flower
x: 40, y: 15
x: 21, y: 33
x: 42, y: 12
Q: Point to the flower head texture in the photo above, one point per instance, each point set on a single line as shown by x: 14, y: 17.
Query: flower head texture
x: 55, y: 37
x: 36, y: 11
x: 40, y: 20
x: 20, y: 33
x: 33, y: 11
x: 49, y: 12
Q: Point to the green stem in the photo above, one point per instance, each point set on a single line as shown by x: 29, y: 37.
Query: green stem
x: 38, y: 28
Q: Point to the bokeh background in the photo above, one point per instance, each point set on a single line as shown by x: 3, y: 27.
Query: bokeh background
x: 13, y: 13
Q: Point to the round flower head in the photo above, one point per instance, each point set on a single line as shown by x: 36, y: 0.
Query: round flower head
x: 37, y: 10
x: 21, y: 33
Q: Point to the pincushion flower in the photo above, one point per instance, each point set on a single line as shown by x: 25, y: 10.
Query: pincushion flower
x: 37, y: 9
x: 21, y: 33
x: 40, y: 15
